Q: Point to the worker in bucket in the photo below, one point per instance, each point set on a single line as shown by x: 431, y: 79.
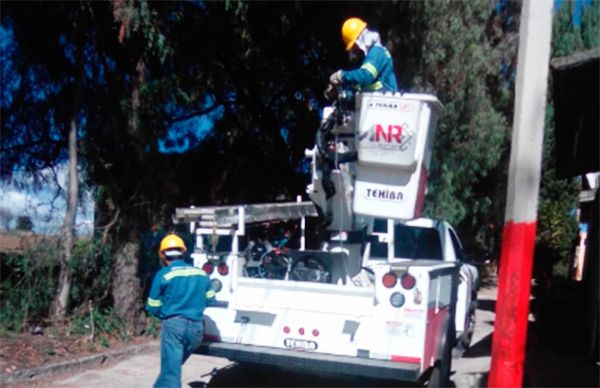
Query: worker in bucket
x: 178, y: 297
x: 376, y: 74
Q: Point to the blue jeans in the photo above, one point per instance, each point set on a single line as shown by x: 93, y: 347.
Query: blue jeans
x: 179, y: 337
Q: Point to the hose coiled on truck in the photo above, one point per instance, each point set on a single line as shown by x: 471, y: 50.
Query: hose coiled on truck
x: 325, y: 135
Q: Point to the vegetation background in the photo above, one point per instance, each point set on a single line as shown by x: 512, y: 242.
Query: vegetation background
x: 155, y: 105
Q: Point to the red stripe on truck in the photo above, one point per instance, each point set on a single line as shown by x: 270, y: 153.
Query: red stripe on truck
x: 410, y: 360
x: 434, y: 334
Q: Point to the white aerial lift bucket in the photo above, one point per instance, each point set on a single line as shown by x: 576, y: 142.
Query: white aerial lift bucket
x: 394, y: 138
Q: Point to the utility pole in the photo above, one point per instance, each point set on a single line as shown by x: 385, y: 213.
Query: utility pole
x: 518, y: 236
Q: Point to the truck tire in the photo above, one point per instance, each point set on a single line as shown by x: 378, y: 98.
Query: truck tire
x: 440, y: 375
x: 467, y: 335
x: 253, y: 374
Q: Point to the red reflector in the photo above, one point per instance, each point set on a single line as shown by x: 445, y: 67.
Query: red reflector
x: 316, y: 332
x: 286, y: 330
x: 301, y: 331
x: 208, y: 268
x: 408, y: 281
x: 223, y: 269
x: 410, y: 360
x: 389, y: 279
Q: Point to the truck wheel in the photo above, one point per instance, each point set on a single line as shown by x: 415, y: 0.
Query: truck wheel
x: 440, y: 375
x: 253, y: 374
x: 467, y: 335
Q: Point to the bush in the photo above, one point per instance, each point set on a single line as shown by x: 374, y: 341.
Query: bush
x: 152, y: 327
x: 557, y: 231
x: 27, y: 285
x: 99, y: 324
x: 91, y: 269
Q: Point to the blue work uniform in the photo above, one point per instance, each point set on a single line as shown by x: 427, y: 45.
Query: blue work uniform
x: 178, y: 296
x: 376, y: 74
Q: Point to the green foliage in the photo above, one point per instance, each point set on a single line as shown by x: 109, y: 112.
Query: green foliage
x: 99, y: 325
x: 29, y: 280
x: 590, y: 25
x: 567, y: 37
x: 27, y: 285
x: 91, y: 269
x: 152, y: 328
x: 557, y: 227
x: 472, y: 133
x: 460, y: 62
x: 137, y: 17
x: 557, y: 232
x: 24, y: 223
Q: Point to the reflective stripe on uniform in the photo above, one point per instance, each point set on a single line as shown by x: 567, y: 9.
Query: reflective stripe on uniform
x: 154, y: 302
x: 210, y: 294
x: 375, y: 86
x: 184, y: 272
x: 370, y: 68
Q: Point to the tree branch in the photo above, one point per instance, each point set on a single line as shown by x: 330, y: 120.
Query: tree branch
x: 196, y: 113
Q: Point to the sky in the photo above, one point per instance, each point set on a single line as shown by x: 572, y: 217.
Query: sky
x: 46, y: 213
x: 186, y: 134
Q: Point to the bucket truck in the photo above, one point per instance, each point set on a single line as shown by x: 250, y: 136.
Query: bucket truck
x: 384, y: 295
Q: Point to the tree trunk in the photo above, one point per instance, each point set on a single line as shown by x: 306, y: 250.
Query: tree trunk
x: 126, y: 288
x: 61, y: 299
x: 127, y: 293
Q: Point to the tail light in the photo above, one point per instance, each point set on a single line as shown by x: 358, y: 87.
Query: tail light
x: 223, y: 269
x: 208, y: 267
x: 407, y: 281
x: 389, y: 280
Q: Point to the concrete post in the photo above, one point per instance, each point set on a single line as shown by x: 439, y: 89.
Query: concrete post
x: 516, y: 258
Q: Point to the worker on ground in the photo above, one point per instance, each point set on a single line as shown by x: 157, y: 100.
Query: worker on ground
x: 376, y: 74
x: 178, y: 297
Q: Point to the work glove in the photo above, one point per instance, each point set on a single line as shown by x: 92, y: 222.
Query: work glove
x: 336, y: 78
x: 330, y: 93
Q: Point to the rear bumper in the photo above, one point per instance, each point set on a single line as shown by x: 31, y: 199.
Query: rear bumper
x: 316, y: 362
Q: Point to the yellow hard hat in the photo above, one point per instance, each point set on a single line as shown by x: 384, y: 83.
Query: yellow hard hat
x: 351, y: 30
x: 171, y: 242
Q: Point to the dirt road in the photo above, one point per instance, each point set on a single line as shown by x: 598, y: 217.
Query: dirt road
x: 141, y: 370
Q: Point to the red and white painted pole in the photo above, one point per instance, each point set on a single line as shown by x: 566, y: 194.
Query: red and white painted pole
x: 518, y: 236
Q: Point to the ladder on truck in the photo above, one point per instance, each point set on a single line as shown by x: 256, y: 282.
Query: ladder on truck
x: 232, y: 220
